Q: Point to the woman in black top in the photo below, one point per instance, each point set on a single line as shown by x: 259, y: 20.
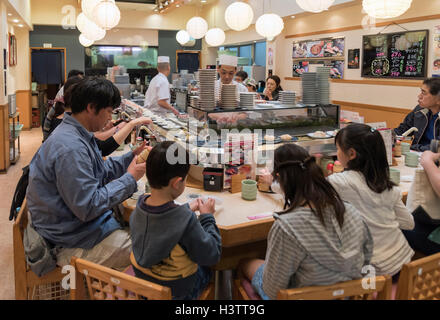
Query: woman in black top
x: 273, y: 87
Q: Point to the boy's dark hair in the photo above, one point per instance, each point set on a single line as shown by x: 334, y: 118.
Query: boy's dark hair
x: 371, y: 156
x: 75, y: 73
x: 304, y: 184
x: 242, y: 74
x: 160, y: 171
x: 101, y: 93
x: 68, y: 86
x: 434, y: 85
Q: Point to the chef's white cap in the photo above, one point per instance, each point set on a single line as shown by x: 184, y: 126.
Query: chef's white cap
x: 163, y: 59
x: 226, y: 60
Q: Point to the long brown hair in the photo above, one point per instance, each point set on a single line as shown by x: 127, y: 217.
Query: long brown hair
x: 303, y: 183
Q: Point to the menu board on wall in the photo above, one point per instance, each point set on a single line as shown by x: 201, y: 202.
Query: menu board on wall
x: 400, y: 55
x: 330, y: 47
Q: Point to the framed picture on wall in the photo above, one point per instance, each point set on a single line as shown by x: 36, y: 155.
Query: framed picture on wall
x: 12, y: 50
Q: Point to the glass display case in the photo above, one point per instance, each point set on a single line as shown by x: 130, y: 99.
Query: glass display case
x: 296, y: 121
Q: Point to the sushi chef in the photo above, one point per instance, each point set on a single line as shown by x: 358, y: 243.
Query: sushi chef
x: 227, y: 69
x: 157, y: 97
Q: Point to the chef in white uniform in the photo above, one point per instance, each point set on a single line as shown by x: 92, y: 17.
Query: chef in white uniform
x: 227, y: 69
x: 157, y: 97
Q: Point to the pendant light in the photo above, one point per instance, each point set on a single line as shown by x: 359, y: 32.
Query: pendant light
x: 269, y: 25
x: 106, y: 14
x: 239, y: 16
x: 90, y: 30
x: 197, y: 27
x: 386, y: 9
x: 314, y: 5
x: 215, y: 37
x: 84, y: 41
x: 182, y: 37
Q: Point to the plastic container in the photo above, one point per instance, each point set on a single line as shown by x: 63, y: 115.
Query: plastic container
x: 18, y: 128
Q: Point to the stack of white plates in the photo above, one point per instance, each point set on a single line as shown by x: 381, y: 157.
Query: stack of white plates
x: 288, y: 98
x: 247, y: 99
x: 310, y: 88
x: 323, y: 75
x: 229, y: 96
x: 194, y: 101
x: 207, y: 79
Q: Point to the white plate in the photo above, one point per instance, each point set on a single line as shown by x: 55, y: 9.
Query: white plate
x: 311, y: 135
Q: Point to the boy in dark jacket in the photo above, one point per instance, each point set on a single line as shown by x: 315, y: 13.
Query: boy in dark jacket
x: 171, y: 247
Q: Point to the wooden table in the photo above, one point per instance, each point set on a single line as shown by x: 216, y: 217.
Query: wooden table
x: 242, y: 237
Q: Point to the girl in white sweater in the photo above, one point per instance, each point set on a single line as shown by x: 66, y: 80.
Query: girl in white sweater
x: 366, y: 184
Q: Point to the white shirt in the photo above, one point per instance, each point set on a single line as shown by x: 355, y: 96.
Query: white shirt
x: 384, y: 213
x: 159, y: 89
x: 218, y: 85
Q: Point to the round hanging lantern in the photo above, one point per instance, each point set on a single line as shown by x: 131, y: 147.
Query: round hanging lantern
x: 197, y: 27
x: 269, y: 25
x: 315, y: 5
x: 88, y: 6
x: 386, y: 9
x: 89, y: 29
x: 182, y: 37
x: 84, y: 41
x: 239, y: 16
x: 107, y: 15
x: 215, y: 37
x: 81, y: 21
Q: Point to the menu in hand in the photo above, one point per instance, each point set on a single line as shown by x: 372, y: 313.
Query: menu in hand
x: 395, y: 55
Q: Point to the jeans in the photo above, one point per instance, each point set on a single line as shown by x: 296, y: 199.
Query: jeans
x: 203, y: 276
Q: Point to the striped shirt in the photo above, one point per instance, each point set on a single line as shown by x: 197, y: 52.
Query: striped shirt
x: 302, y: 252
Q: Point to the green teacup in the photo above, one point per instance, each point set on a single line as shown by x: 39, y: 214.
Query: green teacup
x: 395, y: 175
x: 249, y: 189
x: 405, y: 147
x: 411, y: 159
x: 121, y: 147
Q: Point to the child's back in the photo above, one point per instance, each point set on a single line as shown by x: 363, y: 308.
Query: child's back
x: 171, y: 246
x: 169, y: 243
x: 367, y: 186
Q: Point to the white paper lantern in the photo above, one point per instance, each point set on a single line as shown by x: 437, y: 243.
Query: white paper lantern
x: 386, y: 9
x: 269, y: 25
x: 239, y: 16
x: 106, y: 15
x: 314, y: 5
x: 84, y: 41
x: 182, y: 37
x: 215, y: 37
x: 90, y: 30
x: 87, y: 7
x: 197, y: 27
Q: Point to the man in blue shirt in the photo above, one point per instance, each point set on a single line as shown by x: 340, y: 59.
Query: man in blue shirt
x: 72, y: 189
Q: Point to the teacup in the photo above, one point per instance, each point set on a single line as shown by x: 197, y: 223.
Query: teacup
x: 395, y: 175
x: 405, y: 147
x: 411, y: 159
x: 249, y: 189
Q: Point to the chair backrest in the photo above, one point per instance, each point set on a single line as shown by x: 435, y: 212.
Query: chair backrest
x: 420, y: 279
x: 107, y: 284
x: 353, y: 290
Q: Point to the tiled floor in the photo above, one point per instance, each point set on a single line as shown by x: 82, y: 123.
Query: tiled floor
x: 30, y: 142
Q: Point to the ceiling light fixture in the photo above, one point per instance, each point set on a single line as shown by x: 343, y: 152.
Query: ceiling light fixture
x: 386, y: 9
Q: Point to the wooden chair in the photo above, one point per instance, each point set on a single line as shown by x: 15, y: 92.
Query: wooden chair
x: 28, y: 286
x: 351, y: 290
x: 107, y: 284
x: 420, y: 279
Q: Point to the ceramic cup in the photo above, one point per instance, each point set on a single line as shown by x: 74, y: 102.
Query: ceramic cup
x: 121, y: 147
x: 411, y: 159
x: 405, y: 147
x: 249, y: 189
x: 395, y: 175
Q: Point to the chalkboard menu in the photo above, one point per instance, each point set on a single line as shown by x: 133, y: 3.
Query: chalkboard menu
x: 401, y: 55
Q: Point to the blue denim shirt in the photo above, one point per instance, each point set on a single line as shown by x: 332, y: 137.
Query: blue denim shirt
x: 72, y: 189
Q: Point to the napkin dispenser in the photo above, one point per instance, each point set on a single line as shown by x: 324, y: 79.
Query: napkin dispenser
x: 213, y: 179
